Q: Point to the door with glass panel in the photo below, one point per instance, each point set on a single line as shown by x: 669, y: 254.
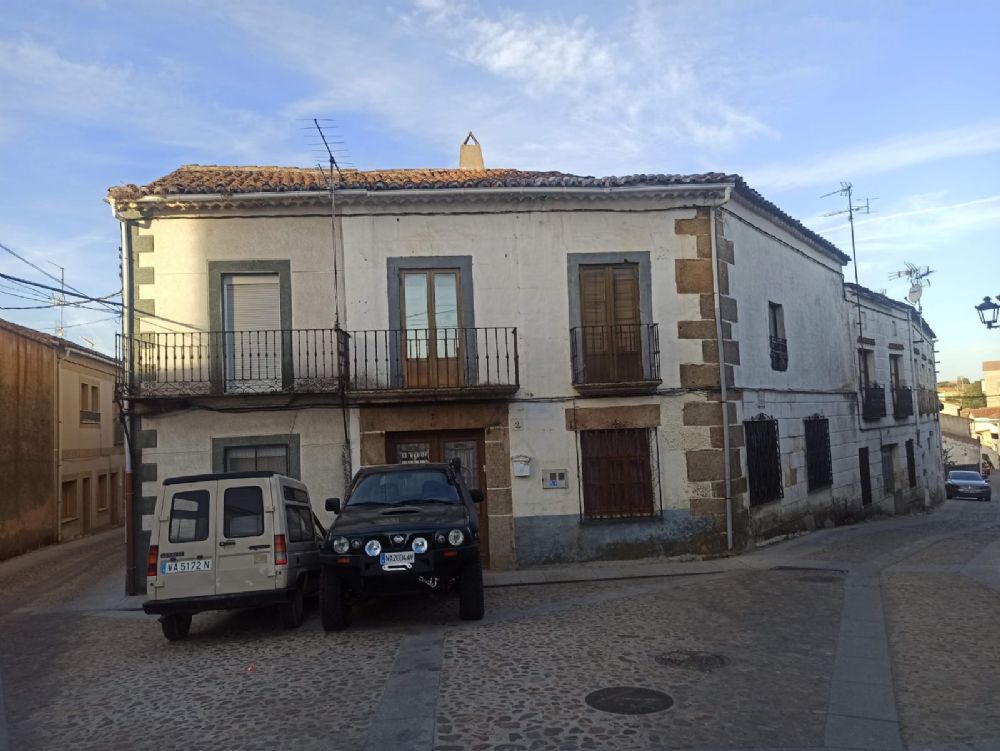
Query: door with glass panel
x: 251, y: 308
x: 467, y: 446
x: 432, y: 329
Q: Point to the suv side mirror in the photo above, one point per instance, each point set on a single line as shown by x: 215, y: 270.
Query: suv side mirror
x: 333, y: 504
x: 477, y: 495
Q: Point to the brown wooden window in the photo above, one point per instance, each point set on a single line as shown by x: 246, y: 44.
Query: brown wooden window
x: 432, y: 323
x: 617, y: 473
x: 610, y: 323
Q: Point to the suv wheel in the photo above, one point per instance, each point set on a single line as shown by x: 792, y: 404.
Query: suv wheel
x: 471, y: 605
x: 334, y: 610
x: 292, y: 611
x: 176, y: 626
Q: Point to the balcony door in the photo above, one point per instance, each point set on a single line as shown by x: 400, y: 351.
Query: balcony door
x: 252, y: 340
x: 432, y: 329
x: 610, y: 330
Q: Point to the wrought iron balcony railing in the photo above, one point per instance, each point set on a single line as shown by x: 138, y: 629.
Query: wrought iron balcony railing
x: 207, y: 363
x: 872, y: 402
x: 779, y: 353
x: 615, y: 356
x: 902, y: 402
x: 457, y: 360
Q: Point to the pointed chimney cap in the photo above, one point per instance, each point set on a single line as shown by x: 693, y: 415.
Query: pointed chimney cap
x: 470, y: 155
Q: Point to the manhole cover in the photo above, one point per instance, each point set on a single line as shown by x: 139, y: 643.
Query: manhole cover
x: 819, y: 578
x: 629, y: 700
x: 703, y: 662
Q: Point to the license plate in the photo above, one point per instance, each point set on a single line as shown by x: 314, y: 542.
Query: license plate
x: 180, y: 567
x: 398, y: 559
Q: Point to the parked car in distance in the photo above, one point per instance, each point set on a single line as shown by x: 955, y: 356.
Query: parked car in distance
x: 224, y: 541
x: 403, y: 528
x: 967, y: 484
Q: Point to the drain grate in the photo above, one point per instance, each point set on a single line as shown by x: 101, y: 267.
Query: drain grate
x: 629, y: 700
x: 703, y: 662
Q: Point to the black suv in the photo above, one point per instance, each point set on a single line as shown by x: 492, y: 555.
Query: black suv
x: 402, y: 528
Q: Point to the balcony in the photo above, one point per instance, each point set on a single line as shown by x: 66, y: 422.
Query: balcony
x: 219, y: 363
x: 872, y: 402
x: 902, y: 402
x: 445, y: 363
x: 779, y: 353
x: 927, y: 401
x: 623, y: 358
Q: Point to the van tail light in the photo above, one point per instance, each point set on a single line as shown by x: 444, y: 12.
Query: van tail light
x: 280, y: 551
x: 154, y: 553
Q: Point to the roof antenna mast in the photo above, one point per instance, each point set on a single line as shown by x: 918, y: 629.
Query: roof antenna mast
x: 847, y: 189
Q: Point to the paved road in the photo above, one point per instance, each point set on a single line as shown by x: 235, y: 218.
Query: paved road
x: 884, y: 635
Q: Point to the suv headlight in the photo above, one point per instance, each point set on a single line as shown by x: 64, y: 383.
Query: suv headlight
x: 341, y: 545
x: 456, y: 537
x: 419, y: 545
x: 373, y: 548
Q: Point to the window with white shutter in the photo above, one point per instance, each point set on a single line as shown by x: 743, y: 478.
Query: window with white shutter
x: 253, y: 341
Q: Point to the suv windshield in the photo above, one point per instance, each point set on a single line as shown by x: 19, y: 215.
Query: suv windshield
x: 965, y: 476
x: 405, y: 486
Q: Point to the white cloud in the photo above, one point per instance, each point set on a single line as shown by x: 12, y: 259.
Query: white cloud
x: 39, y: 82
x: 876, y: 158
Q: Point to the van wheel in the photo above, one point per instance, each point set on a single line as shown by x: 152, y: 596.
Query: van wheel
x: 471, y: 604
x: 334, y: 610
x: 176, y: 626
x: 292, y: 612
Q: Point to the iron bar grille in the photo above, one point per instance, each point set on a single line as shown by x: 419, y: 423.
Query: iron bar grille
x: 902, y: 402
x: 779, y: 353
x: 819, y: 463
x: 90, y: 416
x: 483, y: 359
x: 872, y: 402
x: 619, y: 469
x: 208, y: 363
x: 763, y: 459
x: 619, y: 353
x: 927, y: 401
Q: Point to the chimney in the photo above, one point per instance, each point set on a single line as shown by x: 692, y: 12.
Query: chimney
x: 470, y: 155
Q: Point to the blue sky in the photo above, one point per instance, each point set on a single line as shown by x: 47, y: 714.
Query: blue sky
x: 901, y: 98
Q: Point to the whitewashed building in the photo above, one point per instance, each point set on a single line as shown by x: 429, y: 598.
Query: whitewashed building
x: 633, y: 366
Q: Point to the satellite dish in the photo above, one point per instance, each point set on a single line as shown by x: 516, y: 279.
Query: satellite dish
x: 914, y: 294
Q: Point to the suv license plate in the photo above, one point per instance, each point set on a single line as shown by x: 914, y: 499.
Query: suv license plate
x: 180, y: 567
x: 397, y: 559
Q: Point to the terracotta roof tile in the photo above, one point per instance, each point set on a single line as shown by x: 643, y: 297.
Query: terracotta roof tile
x: 196, y: 179
x: 991, y: 413
x: 52, y: 341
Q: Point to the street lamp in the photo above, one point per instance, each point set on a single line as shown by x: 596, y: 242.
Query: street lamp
x: 988, y: 311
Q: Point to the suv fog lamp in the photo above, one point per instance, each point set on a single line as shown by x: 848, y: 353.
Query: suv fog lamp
x: 340, y: 545
x: 373, y: 548
x: 441, y: 538
x: 419, y: 545
x: 356, y: 544
x: 456, y: 537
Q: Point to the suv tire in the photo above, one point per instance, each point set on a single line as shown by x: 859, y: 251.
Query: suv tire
x: 176, y: 626
x: 292, y: 612
x: 471, y: 604
x: 334, y: 610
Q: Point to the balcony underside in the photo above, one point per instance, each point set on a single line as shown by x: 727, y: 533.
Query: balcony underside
x: 624, y: 388
x: 439, y: 394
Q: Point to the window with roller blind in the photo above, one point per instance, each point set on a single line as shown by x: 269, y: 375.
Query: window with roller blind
x: 251, y: 309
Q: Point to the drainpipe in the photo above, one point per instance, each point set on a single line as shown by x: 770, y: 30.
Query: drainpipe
x: 57, y: 435
x: 727, y: 470
x: 133, y: 483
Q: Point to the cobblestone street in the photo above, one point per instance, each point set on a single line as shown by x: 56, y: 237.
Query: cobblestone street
x: 883, y: 635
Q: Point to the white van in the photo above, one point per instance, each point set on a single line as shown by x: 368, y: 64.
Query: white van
x: 236, y: 540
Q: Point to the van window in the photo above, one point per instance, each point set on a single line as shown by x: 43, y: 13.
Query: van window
x: 295, y: 494
x: 189, y: 516
x: 298, y: 519
x: 243, y: 512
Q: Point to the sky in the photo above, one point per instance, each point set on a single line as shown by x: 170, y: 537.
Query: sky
x: 899, y: 98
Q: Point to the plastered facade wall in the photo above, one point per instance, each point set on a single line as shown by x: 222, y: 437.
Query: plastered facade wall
x: 180, y: 443
x: 28, y: 502
x: 88, y: 448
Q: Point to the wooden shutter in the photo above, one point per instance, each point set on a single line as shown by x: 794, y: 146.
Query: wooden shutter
x: 594, y: 296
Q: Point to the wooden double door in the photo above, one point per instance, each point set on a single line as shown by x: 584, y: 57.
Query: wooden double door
x: 611, y: 325
x: 443, y: 446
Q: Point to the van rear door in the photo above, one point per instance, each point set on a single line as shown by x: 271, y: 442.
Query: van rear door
x: 245, y: 533
x: 186, y: 544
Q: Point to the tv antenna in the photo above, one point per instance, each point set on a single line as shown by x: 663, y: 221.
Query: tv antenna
x: 847, y: 189
x: 918, y: 280
x: 59, y: 300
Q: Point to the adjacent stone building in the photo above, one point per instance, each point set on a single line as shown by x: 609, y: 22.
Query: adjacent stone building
x: 627, y: 366
x: 61, y: 445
